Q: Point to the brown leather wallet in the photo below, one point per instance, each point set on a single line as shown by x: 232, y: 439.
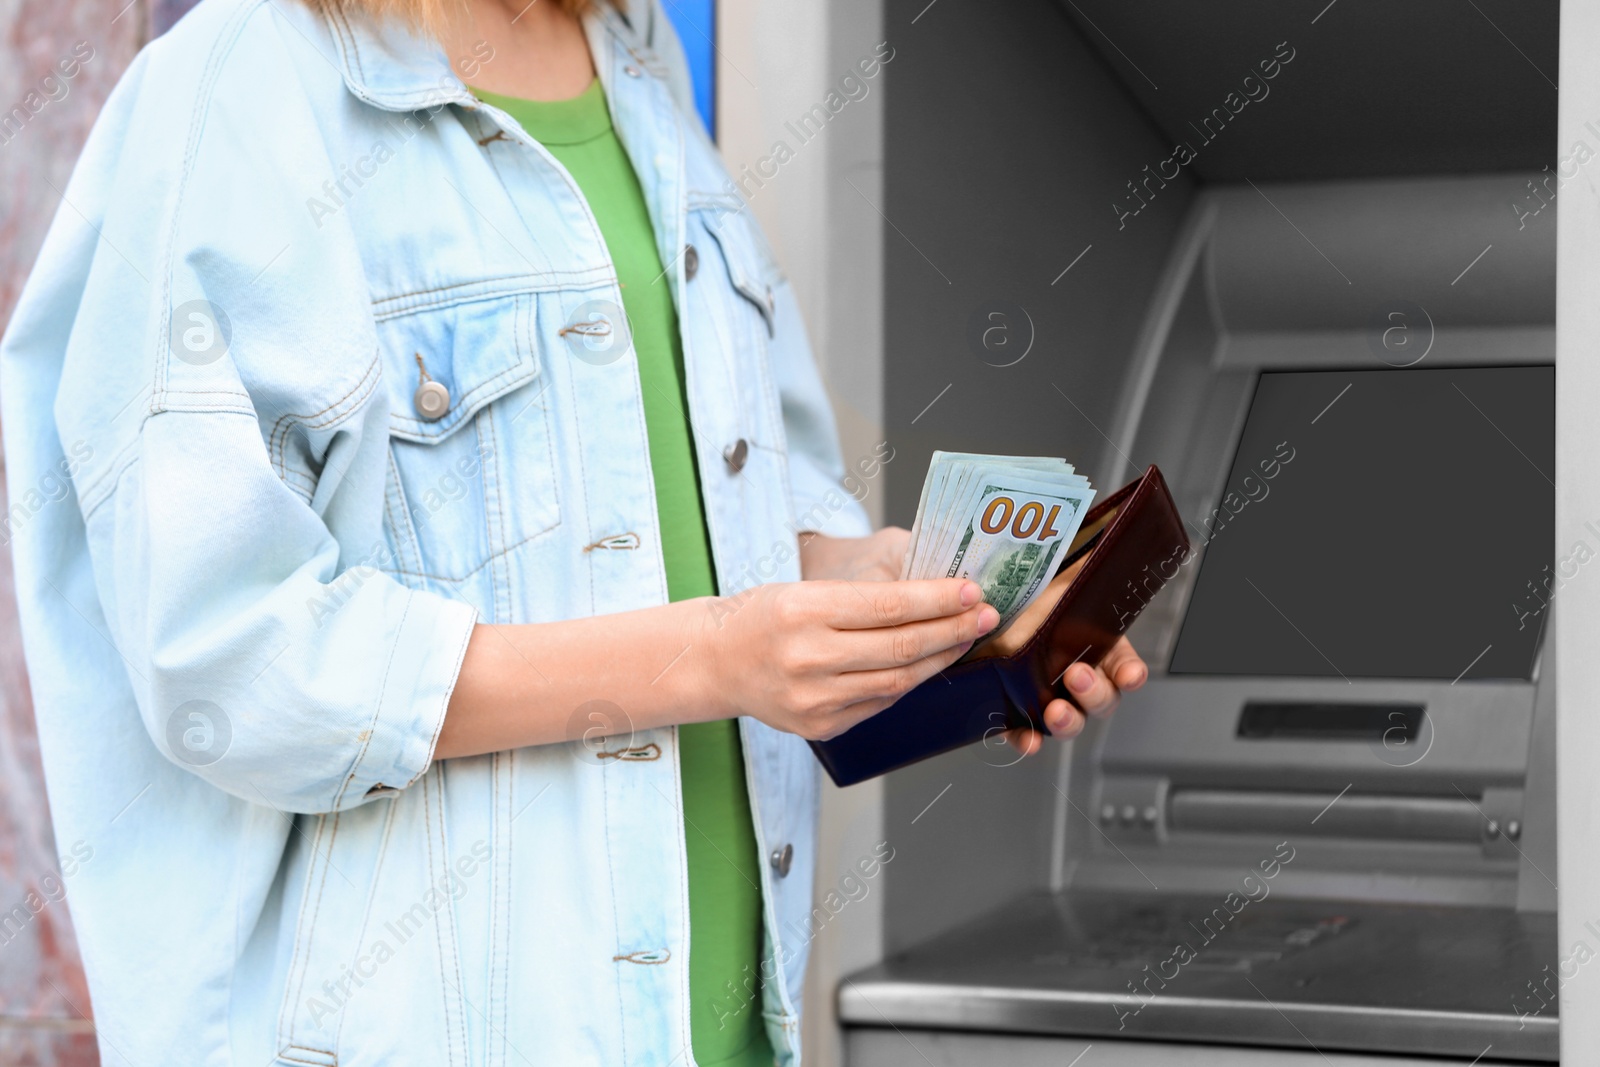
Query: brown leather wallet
x: 1129, y: 545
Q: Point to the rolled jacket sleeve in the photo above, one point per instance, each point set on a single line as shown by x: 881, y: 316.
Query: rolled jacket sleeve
x: 242, y: 581
x: 221, y: 384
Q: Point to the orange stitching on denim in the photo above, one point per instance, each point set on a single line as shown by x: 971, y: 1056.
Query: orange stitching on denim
x: 377, y: 711
x: 429, y: 813
x: 336, y: 14
x: 306, y: 420
x: 395, y: 514
x: 588, y: 275
x: 460, y: 655
x: 280, y: 433
x: 221, y: 50
x: 372, y: 896
x: 203, y: 392
x: 309, y: 930
x: 465, y: 403
x: 493, y: 294
x: 501, y: 768
x: 90, y: 496
x: 499, y: 573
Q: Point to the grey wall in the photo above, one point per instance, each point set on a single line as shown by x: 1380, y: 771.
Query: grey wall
x: 1578, y: 503
x: 1007, y: 143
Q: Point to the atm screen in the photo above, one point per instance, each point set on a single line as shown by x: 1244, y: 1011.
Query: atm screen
x: 1383, y: 524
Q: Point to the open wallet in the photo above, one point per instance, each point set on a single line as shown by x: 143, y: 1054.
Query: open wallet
x: 1128, y: 546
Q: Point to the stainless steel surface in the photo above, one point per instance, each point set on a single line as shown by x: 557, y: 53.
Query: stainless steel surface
x: 1187, y: 725
x: 1328, y: 814
x: 1409, y: 824
x: 1476, y: 346
x: 1407, y: 235
x: 942, y: 1048
x: 1444, y: 981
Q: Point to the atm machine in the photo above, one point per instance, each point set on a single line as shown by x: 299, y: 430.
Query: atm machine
x: 1324, y: 831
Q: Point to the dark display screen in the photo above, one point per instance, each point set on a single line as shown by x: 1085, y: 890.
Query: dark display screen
x: 1383, y: 524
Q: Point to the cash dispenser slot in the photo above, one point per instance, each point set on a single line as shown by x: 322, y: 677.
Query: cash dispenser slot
x: 1383, y: 722
x: 1371, y: 815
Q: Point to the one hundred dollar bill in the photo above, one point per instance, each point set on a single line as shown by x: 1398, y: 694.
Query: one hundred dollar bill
x: 1004, y: 522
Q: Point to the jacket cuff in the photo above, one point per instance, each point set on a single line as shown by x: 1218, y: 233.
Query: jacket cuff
x: 425, y: 658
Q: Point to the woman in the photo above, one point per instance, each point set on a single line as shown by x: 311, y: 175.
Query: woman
x: 421, y: 389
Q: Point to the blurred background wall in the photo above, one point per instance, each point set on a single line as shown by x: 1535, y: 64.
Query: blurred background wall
x: 44, y: 119
x: 823, y: 210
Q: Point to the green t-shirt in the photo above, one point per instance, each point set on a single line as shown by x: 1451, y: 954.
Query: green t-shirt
x: 726, y: 1028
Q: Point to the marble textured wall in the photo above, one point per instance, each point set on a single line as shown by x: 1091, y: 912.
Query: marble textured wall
x: 45, y: 115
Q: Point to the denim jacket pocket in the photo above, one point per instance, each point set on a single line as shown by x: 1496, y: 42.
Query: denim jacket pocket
x: 472, y: 474
x: 734, y: 318
x: 751, y: 269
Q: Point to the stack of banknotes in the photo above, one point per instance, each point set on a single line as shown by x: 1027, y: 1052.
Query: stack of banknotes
x: 1005, y: 522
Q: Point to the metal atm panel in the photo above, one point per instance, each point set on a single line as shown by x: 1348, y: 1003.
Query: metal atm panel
x: 1407, y: 822
x: 1382, y: 209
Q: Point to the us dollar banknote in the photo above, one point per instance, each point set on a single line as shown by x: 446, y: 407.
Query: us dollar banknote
x: 1005, y: 522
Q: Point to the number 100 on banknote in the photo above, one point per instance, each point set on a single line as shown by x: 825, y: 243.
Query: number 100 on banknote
x: 1002, y: 521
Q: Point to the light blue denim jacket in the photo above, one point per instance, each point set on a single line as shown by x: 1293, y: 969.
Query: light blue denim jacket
x: 321, y: 364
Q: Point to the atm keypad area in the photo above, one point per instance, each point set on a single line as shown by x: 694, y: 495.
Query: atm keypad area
x: 1324, y: 831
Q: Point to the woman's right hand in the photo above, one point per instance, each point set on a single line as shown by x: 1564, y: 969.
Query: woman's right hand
x: 815, y: 658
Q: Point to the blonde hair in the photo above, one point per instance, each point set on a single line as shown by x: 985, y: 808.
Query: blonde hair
x: 432, y: 16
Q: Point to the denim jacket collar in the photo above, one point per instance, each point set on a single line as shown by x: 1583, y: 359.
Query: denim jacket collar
x: 390, y: 66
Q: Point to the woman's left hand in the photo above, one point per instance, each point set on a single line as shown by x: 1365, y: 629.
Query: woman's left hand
x: 1093, y: 690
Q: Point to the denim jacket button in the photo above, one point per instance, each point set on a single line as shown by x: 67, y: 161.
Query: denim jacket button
x: 432, y: 400
x: 736, y: 454
x: 630, y: 71
x: 782, y: 860
x: 691, y: 262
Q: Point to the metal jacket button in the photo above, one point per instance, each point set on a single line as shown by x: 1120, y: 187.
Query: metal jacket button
x: 691, y: 262
x: 782, y: 860
x: 736, y: 454
x: 432, y: 400
x: 632, y: 72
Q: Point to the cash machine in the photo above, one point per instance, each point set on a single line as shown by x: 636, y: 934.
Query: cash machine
x: 1324, y: 831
